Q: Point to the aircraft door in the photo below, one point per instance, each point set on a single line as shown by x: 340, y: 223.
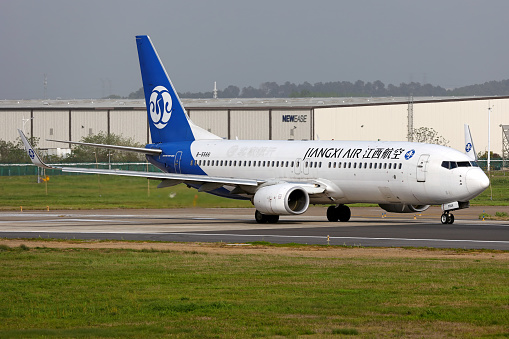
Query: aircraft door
x: 421, y: 167
x: 176, y: 163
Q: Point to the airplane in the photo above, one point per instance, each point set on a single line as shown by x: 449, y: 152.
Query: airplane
x: 285, y: 177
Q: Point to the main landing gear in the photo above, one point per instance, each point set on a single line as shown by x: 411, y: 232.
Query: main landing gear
x: 447, y: 218
x: 265, y: 218
x: 339, y: 213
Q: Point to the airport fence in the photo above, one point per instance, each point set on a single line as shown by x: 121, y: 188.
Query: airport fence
x: 29, y: 169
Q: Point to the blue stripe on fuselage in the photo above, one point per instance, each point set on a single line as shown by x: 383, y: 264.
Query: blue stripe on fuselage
x: 176, y: 158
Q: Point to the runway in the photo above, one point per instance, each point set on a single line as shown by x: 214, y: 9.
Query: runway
x: 367, y: 227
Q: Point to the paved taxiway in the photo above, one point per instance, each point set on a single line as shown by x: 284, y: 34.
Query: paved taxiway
x: 366, y: 228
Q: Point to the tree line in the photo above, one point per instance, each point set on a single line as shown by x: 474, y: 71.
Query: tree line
x: 345, y: 89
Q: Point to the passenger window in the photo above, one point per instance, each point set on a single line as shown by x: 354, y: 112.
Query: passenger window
x: 390, y: 165
x: 339, y: 164
x: 385, y: 165
x: 400, y: 165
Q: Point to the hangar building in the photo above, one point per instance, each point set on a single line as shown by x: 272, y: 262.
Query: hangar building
x: 276, y: 119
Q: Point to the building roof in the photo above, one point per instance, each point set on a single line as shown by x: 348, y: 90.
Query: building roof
x: 238, y: 103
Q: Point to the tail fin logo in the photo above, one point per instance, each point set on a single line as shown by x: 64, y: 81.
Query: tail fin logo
x: 160, y: 106
x: 468, y: 147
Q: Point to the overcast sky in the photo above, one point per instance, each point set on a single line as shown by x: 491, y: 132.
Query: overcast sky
x: 84, y: 46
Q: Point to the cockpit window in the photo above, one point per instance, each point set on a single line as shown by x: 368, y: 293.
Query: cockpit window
x: 454, y: 164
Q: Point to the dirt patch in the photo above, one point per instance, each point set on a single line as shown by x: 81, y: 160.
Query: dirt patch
x: 304, y: 251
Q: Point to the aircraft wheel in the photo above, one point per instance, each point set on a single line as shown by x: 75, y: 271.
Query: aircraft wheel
x: 444, y: 218
x: 450, y: 219
x: 332, y: 214
x: 344, y: 213
x: 261, y: 218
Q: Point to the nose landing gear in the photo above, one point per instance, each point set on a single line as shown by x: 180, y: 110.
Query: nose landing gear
x: 447, y: 218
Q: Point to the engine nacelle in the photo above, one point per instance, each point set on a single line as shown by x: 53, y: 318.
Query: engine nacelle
x: 281, y: 199
x: 401, y: 208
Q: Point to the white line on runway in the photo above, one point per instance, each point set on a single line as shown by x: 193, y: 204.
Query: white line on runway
x: 287, y: 236
x: 340, y: 238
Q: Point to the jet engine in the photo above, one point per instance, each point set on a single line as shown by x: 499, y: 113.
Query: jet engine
x: 281, y: 199
x: 401, y: 208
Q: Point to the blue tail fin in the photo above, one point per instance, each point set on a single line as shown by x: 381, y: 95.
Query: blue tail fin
x: 167, y: 118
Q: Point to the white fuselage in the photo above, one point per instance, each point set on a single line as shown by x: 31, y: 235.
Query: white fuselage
x: 354, y: 171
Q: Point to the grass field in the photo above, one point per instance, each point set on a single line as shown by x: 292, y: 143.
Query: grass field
x: 96, y: 192
x: 105, y: 293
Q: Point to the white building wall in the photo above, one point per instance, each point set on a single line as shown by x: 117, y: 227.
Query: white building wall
x: 448, y: 118
x: 250, y: 125
x: 214, y: 121
x: 130, y: 124
x: 389, y: 122
x: 384, y: 123
x: 10, y: 121
x: 50, y: 125
x: 286, y: 121
x: 85, y: 123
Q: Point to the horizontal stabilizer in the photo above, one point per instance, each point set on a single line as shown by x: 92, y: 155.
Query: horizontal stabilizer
x: 152, y: 151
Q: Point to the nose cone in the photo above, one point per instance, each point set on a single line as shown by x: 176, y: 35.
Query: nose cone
x: 477, y: 181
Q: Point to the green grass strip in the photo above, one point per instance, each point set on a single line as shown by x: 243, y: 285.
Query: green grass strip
x: 83, y: 293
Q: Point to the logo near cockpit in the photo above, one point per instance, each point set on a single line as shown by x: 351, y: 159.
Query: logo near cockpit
x: 409, y: 154
x: 160, y: 106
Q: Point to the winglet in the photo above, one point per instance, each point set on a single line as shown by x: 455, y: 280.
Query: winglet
x: 36, y: 160
x: 469, y: 144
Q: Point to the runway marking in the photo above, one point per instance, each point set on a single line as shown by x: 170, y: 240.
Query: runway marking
x: 340, y: 238
x: 284, y: 236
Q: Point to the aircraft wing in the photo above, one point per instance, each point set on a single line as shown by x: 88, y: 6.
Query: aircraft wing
x: 115, y: 147
x: 190, y: 178
x: 169, y: 178
x: 37, y: 161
